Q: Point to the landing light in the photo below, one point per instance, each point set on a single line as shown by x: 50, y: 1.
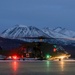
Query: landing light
x: 62, y: 57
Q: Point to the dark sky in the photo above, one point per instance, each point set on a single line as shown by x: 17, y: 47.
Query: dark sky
x: 39, y: 13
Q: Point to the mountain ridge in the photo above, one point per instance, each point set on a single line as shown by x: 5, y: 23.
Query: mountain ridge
x: 19, y: 31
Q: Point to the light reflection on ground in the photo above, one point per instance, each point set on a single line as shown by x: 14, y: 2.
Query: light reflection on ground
x: 32, y: 67
x: 14, y: 66
x: 48, y: 63
x: 62, y: 64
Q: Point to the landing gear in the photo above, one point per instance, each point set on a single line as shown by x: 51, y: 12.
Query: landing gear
x: 60, y: 59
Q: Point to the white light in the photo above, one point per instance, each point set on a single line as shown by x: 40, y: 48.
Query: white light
x: 62, y: 57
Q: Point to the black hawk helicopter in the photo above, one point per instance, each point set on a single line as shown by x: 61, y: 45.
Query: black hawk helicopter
x: 37, y: 49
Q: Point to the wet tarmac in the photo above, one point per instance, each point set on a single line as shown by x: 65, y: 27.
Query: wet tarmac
x: 36, y: 67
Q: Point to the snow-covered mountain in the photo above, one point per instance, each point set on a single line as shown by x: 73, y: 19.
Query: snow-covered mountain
x: 21, y: 31
x: 54, y: 33
x: 64, y: 37
x: 57, y: 35
x: 65, y: 32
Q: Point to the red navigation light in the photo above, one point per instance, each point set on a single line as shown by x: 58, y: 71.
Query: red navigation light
x: 14, y: 57
x: 54, y: 50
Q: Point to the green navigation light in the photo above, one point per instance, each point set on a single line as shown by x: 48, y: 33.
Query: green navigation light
x: 55, y: 46
x: 48, y: 56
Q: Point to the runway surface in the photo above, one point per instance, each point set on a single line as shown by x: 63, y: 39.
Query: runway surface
x: 37, y: 67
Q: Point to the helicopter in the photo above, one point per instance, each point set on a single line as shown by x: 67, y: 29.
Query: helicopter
x: 39, y: 50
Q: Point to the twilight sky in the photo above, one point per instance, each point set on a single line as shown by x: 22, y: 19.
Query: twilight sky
x: 39, y: 13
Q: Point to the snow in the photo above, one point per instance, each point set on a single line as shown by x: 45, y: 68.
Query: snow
x: 54, y: 34
x: 19, y: 31
x: 21, y: 26
x: 22, y: 31
x: 58, y: 29
x: 65, y: 32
